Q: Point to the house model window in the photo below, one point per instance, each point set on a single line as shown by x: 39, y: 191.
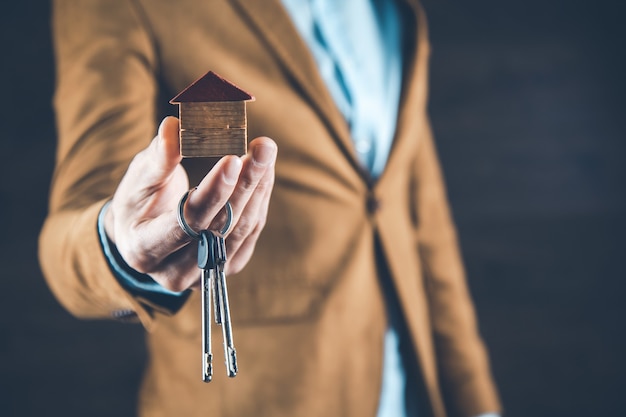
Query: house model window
x: 212, y: 114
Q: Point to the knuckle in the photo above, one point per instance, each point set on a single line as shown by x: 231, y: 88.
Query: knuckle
x: 253, y: 178
x: 259, y: 226
x: 174, y: 285
x: 248, y: 183
x: 138, y: 261
x: 265, y: 186
x: 243, y: 237
x: 257, y: 184
x: 243, y: 229
x: 198, y: 211
x: 179, y: 278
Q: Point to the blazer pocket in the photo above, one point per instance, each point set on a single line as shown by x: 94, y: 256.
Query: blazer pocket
x: 256, y: 303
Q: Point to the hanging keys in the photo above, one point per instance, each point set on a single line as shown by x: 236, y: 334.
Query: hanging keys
x: 206, y: 262
x: 230, y: 354
x: 211, y: 259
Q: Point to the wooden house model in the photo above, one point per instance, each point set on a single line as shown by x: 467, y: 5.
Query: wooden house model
x: 212, y: 113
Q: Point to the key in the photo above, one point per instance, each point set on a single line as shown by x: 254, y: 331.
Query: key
x: 230, y: 354
x: 216, y: 300
x: 207, y: 263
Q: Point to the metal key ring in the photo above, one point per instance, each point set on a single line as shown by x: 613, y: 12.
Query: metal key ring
x: 229, y: 219
x: 180, y: 216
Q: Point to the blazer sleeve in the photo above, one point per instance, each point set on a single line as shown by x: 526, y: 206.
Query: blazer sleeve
x: 464, y: 372
x: 105, y: 114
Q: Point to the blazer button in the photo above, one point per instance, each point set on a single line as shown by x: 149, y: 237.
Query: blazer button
x: 373, y: 204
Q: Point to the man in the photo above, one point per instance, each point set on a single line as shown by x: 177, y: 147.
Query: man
x: 352, y: 300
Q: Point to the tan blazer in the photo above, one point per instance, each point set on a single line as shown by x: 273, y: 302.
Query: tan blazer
x: 308, y: 311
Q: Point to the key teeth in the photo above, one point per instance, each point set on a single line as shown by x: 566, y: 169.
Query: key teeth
x: 208, y: 370
x: 217, y: 312
x: 232, y: 367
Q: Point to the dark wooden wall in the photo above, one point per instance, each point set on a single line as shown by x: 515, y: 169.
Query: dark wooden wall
x: 528, y: 108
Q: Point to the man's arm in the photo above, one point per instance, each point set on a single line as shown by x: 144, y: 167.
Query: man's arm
x: 105, y: 112
x: 105, y: 104
x: 462, y: 359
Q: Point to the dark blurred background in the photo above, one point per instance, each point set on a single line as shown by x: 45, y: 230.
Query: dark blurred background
x: 527, y: 102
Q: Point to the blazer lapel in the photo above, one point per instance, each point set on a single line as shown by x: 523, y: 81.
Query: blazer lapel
x: 273, y: 24
x: 412, y: 106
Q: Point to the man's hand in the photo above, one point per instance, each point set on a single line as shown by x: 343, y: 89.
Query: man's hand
x: 141, y: 219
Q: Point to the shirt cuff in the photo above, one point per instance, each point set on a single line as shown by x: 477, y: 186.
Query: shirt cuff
x: 141, y: 286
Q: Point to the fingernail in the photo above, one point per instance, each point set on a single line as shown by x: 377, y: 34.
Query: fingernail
x: 232, y: 170
x: 264, y: 154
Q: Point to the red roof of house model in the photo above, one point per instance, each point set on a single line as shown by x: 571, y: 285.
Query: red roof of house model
x: 210, y: 88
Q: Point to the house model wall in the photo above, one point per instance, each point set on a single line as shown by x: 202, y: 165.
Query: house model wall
x: 213, y: 121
